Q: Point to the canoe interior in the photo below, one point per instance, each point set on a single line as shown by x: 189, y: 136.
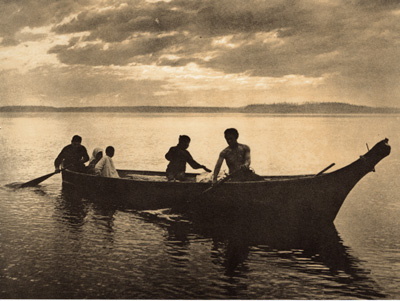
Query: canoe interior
x: 159, y: 176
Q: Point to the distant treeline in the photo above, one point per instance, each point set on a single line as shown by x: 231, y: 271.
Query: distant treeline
x: 317, y: 108
x: 125, y: 109
x: 277, y: 108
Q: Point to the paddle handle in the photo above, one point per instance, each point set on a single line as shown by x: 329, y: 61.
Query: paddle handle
x: 325, y: 169
x: 64, y: 168
x: 222, y: 181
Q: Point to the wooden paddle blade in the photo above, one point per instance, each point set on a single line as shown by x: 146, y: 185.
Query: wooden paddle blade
x: 36, y: 181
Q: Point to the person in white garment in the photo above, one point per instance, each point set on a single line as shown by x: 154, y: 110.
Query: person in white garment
x: 105, y: 167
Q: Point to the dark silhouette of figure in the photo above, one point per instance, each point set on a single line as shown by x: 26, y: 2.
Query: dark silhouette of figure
x: 72, y: 156
x: 178, y: 156
x: 237, y: 157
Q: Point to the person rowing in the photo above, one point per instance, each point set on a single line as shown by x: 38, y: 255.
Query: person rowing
x: 237, y: 157
x: 178, y: 156
x: 72, y: 156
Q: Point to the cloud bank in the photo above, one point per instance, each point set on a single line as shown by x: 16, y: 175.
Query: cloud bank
x: 212, y: 52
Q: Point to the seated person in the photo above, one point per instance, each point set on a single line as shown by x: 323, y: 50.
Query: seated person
x: 237, y: 157
x: 105, y: 167
x: 72, y: 156
x: 97, y: 155
x: 178, y: 156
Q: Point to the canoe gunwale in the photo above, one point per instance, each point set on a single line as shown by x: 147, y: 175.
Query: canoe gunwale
x: 267, y: 179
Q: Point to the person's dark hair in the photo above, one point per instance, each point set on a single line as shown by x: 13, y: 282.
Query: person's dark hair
x: 232, y: 131
x: 110, y: 151
x: 76, y: 138
x: 184, y: 138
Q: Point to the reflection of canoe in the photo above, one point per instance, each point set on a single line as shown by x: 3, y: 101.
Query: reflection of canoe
x: 284, y: 198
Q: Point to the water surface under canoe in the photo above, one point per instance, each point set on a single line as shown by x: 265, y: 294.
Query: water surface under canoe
x: 57, y: 245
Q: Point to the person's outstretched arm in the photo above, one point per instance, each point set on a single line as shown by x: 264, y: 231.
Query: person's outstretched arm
x: 59, y: 159
x: 217, y: 168
x: 193, y: 164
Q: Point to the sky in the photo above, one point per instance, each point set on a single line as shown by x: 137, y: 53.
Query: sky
x: 199, y: 53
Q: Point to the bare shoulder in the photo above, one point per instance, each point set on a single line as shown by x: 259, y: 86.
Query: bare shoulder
x: 244, y: 147
x: 224, y: 152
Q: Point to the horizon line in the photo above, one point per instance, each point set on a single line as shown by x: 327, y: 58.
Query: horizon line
x: 224, y: 107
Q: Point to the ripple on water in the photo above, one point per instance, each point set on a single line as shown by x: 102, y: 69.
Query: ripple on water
x: 74, y: 248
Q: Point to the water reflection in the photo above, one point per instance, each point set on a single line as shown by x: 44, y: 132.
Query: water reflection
x: 239, y: 254
x: 103, y: 217
x: 72, y: 208
x: 316, y: 252
x: 231, y: 255
x: 75, y: 211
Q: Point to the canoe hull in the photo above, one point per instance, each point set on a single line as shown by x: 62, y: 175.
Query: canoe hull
x: 284, y: 199
x: 132, y: 193
x: 293, y: 200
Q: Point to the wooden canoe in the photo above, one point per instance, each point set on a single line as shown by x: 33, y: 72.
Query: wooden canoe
x: 292, y: 199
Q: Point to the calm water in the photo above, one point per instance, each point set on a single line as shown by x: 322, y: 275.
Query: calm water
x: 54, y: 244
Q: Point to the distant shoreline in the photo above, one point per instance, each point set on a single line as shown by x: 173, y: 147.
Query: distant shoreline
x: 278, y: 108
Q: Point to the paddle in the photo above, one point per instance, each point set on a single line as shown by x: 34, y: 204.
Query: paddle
x: 325, y: 169
x: 220, y: 182
x: 36, y: 181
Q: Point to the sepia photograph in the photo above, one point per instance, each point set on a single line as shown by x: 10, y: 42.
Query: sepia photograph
x: 200, y: 149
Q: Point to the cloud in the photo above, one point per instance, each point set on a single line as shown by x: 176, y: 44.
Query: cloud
x: 18, y: 14
x: 348, y: 47
x: 115, y: 24
x: 122, y: 54
x: 306, y: 33
x: 74, y: 86
x: 8, y: 41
